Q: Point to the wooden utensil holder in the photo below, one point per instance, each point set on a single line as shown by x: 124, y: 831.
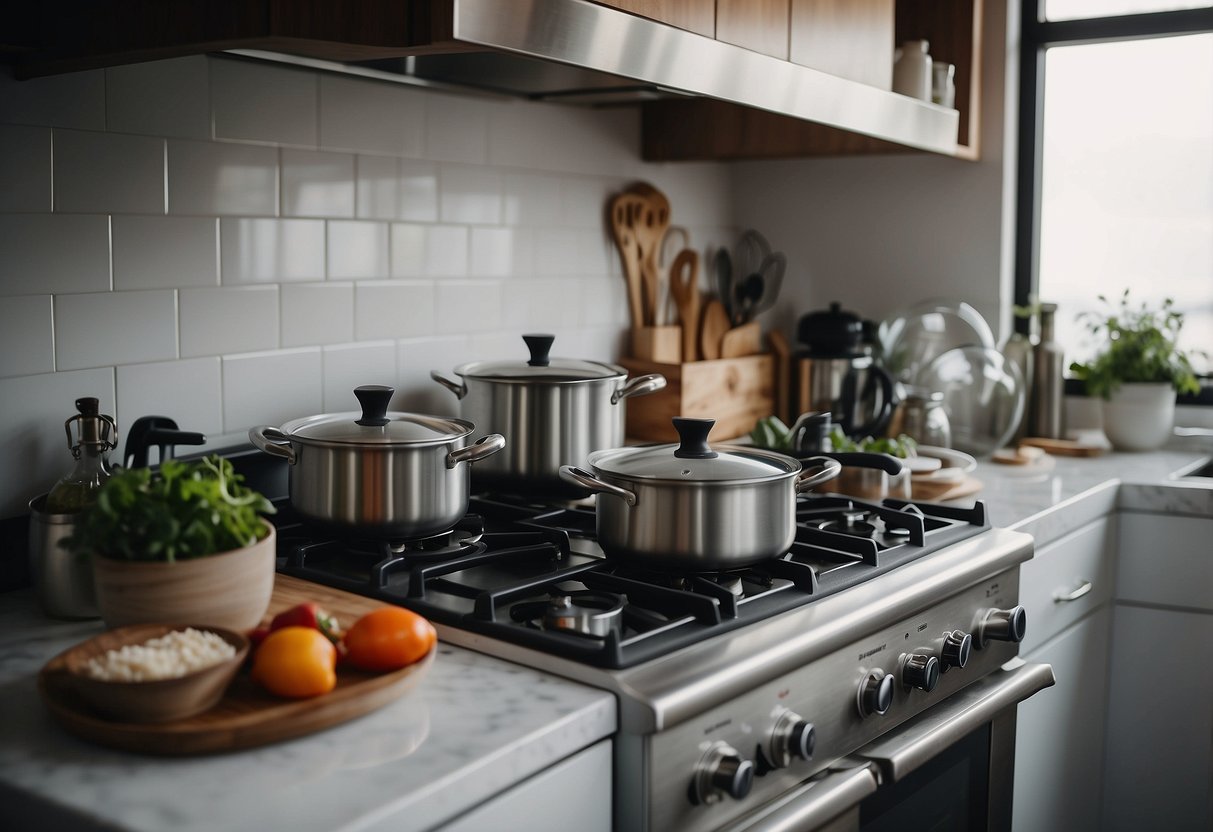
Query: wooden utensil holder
x: 661, y: 344
x: 736, y: 392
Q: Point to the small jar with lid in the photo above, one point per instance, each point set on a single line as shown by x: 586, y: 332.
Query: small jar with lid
x: 924, y: 418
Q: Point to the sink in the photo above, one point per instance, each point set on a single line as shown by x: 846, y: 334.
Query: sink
x: 1199, y: 470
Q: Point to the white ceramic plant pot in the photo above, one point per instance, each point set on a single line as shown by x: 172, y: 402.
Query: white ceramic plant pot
x: 1139, y: 416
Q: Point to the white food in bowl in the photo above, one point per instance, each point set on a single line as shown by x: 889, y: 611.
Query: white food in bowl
x: 170, y: 656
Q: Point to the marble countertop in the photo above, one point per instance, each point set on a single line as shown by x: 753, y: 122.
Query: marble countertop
x: 474, y: 727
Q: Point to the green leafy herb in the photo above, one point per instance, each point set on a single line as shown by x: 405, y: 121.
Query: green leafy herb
x: 186, y: 510
x: 772, y: 433
x: 902, y: 447
x: 1140, y: 346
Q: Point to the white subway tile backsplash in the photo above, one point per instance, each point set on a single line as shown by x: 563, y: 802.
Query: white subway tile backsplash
x: 584, y: 201
x: 114, y: 328
x: 189, y: 392
x: 317, y: 313
x: 271, y: 388
x: 393, y: 309
x: 27, y: 345
x: 42, y: 253
x: 415, y: 390
x: 357, y: 250
x: 373, y: 116
x: 108, y: 173
x: 270, y: 251
x: 604, y: 301
x: 352, y: 365
x: 457, y: 128
x: 557, y: 252
x: 492, y: 252
x: 418, y: 191
x: 317, y: 184
x: 263, y: 103
x: 225, y: 321
x: 531, y: 199
x: 73, y: 99
x: 408, y: 250
x: 33, y: 450
x: 212, y: 178
x: 470, y: 195
x: 164, y: 252
x: 377, y: 191
x: 468, y: 305
x: 160, y: 98
x: 446, y: 251
x: 25, y: 168
x: 578, y: 140
x: 531, y: 303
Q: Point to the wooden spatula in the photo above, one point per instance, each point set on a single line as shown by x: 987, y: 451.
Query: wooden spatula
x: 625, y: 216
x: 715, y: 325
x: 742, y: 340
x: 684, y: 286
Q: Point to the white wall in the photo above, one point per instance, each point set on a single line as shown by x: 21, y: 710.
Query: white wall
x: 229, y: 244
x: 880, y: 233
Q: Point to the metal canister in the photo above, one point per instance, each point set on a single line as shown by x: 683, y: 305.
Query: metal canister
x: 62, y: 578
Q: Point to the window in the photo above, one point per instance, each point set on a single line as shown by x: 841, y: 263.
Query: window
x: 1116, y: 161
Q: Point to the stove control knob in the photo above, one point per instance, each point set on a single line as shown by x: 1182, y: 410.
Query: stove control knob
x: 792, y: 738
x: 875, y: 692
x: 1003, y: 625
x: 721, y: 771
x: 956, y: 648
x: 919, y: 671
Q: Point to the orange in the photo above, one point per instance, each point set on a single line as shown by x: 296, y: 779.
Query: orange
x: 296, y: 662
x: 388, y: 638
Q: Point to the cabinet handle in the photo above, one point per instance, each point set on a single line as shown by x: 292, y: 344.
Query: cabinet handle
x: 1062, y: 597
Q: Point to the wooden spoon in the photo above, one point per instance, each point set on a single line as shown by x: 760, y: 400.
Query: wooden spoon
x: 625, y: 212
x: 715, y: 325
x: 653, y: 221
x: 684, y: 286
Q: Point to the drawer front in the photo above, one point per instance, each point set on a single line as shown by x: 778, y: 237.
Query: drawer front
x: 1067, y: 579
x: 1166, y: 559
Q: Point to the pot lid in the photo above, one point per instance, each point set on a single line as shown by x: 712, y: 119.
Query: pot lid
x: 693, y: 460
x: 375, y: 425
x: 541, y: 366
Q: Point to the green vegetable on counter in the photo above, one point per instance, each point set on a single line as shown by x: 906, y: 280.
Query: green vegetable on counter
x: 185, y: 510
x: 902, y: 447
x: 772, y: 433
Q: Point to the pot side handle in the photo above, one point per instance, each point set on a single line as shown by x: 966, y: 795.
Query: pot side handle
x: 458, y: 388
x: 273, y: 441
x: 817, y: 469
x: 477, y: 451
x: 639, y: 386
x: 579, y: 476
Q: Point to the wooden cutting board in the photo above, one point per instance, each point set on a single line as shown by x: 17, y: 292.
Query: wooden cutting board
x: 247, y: 716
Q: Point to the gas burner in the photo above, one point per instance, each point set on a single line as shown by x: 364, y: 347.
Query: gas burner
x: 849, y: 522
x: 588, y: 613
x: 441, y: 546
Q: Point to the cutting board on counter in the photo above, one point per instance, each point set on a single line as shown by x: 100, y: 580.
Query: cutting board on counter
x: 247, y: 716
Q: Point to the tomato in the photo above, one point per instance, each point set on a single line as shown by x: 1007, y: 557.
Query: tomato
x: 296, y: 662
x: 388, y: 638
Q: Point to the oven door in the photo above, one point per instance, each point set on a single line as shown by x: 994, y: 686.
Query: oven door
x: 950, y: 768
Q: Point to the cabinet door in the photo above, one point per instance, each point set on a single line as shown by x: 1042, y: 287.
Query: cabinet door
x: 1067, y: 579
x: 761, y: 25
x: 698, y: 16
x: 1059, y: 737
x: 1159, y: 764
x: 849, y: 38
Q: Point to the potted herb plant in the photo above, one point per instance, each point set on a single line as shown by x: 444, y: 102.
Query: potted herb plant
x: 1137, y: 372
x: 186, y: 544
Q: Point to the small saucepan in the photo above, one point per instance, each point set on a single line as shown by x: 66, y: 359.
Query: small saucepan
x: 378, y: 473
x: 694, y: 508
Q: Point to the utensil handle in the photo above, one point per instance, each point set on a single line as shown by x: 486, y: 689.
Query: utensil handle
x: 477, y: 451
x: 578, y: 476
x: 824, y: 469
x: 891, y: 465
x: 877, y: 424
x: 458, y: 388
x: 639, y: 386
x: 273, y: 441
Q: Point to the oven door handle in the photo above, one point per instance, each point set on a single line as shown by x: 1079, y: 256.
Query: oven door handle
x: 815, y: 802
x: 899, y: 752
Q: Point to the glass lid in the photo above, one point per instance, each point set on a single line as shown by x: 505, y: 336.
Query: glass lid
x: 375, y: 425
x: 541, y: 366
x: 693, y: 460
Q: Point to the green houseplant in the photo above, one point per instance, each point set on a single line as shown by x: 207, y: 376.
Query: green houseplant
x: 186, y: 544
x: 1138, y: 371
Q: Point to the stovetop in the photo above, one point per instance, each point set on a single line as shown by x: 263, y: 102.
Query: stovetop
x: 532, y: 575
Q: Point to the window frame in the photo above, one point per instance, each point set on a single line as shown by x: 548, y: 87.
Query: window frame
x: 1036, y: 36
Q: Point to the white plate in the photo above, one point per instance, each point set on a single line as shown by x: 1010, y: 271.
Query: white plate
x: 954, y: 465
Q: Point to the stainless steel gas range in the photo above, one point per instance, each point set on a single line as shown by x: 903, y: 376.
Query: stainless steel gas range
x: 866, y: 678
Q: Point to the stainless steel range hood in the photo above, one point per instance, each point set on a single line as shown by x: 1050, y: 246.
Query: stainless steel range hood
x: 578, y: 52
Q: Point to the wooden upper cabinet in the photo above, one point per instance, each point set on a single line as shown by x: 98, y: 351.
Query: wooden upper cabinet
x: 760, y: 25
x: 849, y: 38
x: 698, y: 16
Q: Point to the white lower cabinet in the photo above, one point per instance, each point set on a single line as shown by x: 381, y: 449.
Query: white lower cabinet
x: 1059, y: 741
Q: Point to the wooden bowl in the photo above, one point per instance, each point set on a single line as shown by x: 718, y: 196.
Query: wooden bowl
x: 162, y: 700
x: 230, y: 590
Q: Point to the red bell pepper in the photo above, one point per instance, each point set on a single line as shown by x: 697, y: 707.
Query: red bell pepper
x: 308, y: 614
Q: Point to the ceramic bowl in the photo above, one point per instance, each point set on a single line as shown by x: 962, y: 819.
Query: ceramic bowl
x: 162, y: 700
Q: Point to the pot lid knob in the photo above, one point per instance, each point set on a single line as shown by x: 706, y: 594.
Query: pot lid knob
x: 540, y: 346
x: 374, y: 399
x: 693, y: 438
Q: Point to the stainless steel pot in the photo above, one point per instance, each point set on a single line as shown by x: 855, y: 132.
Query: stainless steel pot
x: 380, y: 473
x: 552, y: 412
x: 695, y: 509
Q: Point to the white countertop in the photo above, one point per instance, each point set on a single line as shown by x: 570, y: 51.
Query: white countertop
x: 474, y: 727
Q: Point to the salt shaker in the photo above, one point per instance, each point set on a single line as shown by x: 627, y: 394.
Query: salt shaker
x: 912, y: 70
